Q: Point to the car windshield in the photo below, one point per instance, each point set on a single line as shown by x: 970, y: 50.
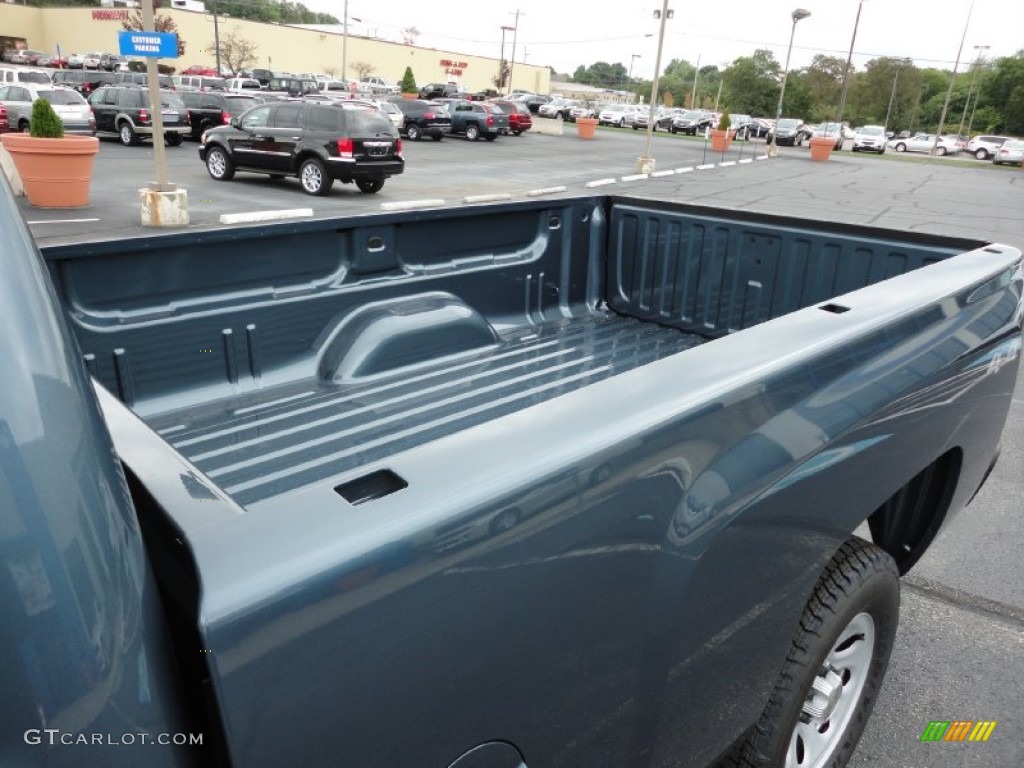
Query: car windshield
x: 33, y: 77
x: 240, y: 104
x: 871, y: 130
x: 62, y: 97
x: 1013, y: 145
x: 788, y: 124
x: 169, y: 101
x: 615, y: 108
x: 692, y: 114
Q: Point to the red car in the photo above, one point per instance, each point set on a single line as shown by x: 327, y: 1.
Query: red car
x: 519, y: 118
x: 196, y: 69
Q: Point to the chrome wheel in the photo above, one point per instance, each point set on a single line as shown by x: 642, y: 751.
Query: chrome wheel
x: 834, y: 696
x: 313, y: 177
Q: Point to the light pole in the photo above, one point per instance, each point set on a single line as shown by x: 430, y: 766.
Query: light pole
x: 216, y: 38
x: 773, y: 146
x: 633, y: 58
x: 970, y: 90
x: 344, y: 45
x: 501, y: 64
x: 693, y: 93
x: 645, y: 163
x: 512, y: 58
x: 952, y: 78
x: 892, y: 95
x: 846, y: 70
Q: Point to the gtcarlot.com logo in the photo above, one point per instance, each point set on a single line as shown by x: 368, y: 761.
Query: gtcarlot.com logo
x: 54, y: 736
x: 958, y: 730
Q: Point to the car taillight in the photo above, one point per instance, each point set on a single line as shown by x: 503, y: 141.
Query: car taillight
x: 428, y: 115
x: 490, y: 120
x: 398, y: 147
x: 225, y: 118
x: 143, y: 115
x: 86, y: 87
x: 345, y: 147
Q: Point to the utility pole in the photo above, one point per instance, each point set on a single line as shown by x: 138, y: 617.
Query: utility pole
x: 693, y: 94
x: 344, y: 44
x: 970, y: 90
x: 952, y: 79
x: 645, y: 163
x: 846, y: 70
x: 892, y: 95
x: 512, y: 58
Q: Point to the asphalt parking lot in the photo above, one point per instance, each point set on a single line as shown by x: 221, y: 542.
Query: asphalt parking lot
x: 961, y: 640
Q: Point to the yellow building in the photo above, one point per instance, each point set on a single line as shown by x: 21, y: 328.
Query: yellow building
x: 292, y: 49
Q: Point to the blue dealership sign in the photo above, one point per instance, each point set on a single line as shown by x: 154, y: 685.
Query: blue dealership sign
x: 153, y: 45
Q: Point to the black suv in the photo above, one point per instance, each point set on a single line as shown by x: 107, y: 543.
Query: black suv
x: 85, y: 81
x: 439, y: 90
x: 424, y: 118
x: 318, y: 141
x: 208, y: 109
x: 124, y: 111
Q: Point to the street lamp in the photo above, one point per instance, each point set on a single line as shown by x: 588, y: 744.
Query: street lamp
x: 970, y: 90
x: 846, y: 70
x: 892, y: 95
x: 633, y: 58
x: 512, y: 58
x: 645, y: 163
x: 952, y: 78
x: 501, y: 65
x: 773, y: 146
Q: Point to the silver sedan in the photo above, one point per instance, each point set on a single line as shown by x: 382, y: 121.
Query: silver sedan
x: 70, y: 106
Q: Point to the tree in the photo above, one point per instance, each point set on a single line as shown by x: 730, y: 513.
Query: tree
x: 236, y: 53
x: 601, y: 74
x: 823, y: 80
x: 752, y: 84
x: 504, y: 72
x: 408, y: 84
x: 363, y: 68
x: 160, y: 24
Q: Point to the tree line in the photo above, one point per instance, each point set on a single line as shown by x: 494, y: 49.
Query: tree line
x: 987, y: 96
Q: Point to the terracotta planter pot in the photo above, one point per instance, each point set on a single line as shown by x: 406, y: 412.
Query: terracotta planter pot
x: 720, y: 140
x: 55, y: 172
x: 821, y: 148
x: 410, y: 95
x: 586, y: 127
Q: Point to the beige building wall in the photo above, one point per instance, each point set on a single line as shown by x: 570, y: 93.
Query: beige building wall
x: 278, y: 47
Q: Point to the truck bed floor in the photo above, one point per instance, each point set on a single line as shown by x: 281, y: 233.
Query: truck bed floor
x: 259, y: 445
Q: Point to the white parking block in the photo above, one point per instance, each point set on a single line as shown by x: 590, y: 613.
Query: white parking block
x: 658, y: 174
x: 687, y: 169
x: 487, y: 198
x: 545, y: 191
x: 634, y: 177
x: 727, y: 163
x: 253, y: 217
x: 599, y: 183
x: 705, y: 167
x: 408, y: 205
x: 745, y: 160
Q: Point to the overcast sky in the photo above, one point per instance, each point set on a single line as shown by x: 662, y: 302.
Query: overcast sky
x: 566, y: 34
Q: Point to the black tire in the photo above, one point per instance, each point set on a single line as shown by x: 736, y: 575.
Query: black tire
x: 173, y: 139
x: 850, y: 623
x: 314, y: 177
x: 490, y: 136
x: 370, y: 186
x: 981, y: 154
x: 901, y: 147
x: 940, y: 151
x: 437, y: 136
x: 413, y: 132
x: 23, y: 126
x: 219, y: 164
x: 472, y: 132
x: 517, y: 133
x: 127, y: 134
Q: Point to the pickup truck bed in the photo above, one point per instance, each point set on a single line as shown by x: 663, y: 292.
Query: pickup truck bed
x: 555, y: 474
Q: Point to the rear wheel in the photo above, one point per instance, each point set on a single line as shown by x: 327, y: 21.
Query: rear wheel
x: 437, y: 136
x: 901, y: 147
x: 940, y: 151
x: 835, y: 665
x: 126, y: 134
x: 23, y: 126
x: 218, y: 164
x: 981, y: 154
x: 173, y: 139
x: 314, y: 177
x: 413, y: 132
x: 517, y: 133
x: 472, y: 132
x: 490, y: 136
x: 369, y: 186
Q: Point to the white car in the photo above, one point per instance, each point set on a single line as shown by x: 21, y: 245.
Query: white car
x: 558, y: 107
x: 923, y: 142
x: 91, y: 60
x: 618, y: 114
x: 243, y: 84
x: 395, y: 115
x: 869, y: 138
x: 76, y: 61
x: 1011, y: 153
x: 70, y: 106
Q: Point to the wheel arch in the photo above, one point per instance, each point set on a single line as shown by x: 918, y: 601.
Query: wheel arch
x: 907, y: 522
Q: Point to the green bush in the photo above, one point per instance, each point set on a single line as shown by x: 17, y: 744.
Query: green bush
x: 408, y: 84
x: 45, y: 122
x: 725, y: 123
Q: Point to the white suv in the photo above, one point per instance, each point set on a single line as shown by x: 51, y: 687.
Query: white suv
x: 984, y: 147
x: 869, y: 138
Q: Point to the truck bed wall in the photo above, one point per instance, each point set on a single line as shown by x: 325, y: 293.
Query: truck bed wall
x: 174, y: 321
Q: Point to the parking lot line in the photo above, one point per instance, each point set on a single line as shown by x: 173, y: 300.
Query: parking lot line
x: 61, y: 221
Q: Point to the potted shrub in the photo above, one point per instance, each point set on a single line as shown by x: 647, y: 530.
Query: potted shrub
x: 721, y: 137
x: 55, y: 169
x: 821, y: 147
x: 408, y: 85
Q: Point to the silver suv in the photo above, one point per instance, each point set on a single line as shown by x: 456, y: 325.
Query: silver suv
x: 985, y: 147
